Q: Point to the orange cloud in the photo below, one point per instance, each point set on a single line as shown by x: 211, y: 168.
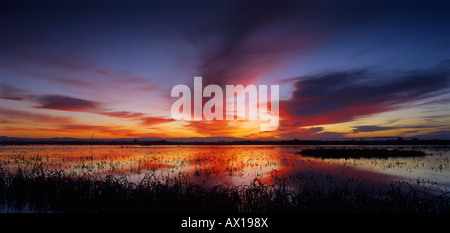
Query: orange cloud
x: 146, y: 121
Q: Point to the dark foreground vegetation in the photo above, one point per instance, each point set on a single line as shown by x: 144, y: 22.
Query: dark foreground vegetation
x: 360, y: 153
x: 36, y: 191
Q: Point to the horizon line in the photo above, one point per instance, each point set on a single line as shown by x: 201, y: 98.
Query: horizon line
x: 220, y: 140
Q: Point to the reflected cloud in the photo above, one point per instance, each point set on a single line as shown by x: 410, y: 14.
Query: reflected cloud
x: 233, y: 165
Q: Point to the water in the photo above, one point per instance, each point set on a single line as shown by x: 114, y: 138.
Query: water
x: 238, y: 165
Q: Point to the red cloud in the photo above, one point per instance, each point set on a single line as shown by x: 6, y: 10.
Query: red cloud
x: 33, y: 117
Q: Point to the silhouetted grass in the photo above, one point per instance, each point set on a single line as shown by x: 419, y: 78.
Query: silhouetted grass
x: 38, y: 191
x: 360, y: 153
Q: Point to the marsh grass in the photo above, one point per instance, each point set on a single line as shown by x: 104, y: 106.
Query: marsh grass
x: 36, y: 190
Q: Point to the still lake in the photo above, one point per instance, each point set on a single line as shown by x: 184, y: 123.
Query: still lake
x: 212, y: 165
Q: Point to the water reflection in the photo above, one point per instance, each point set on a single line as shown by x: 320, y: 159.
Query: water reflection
x: 238, y: 165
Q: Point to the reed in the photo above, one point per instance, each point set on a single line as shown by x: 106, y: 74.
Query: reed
x: 36, y: 190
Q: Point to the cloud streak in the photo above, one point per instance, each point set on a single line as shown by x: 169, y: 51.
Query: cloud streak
x: 8, y: 92
x: 371, y: 128
x: 241, y: 44
x: 69, y: 104
x: 16, y: 115
x: 66, y: 103
x: 337, y: 97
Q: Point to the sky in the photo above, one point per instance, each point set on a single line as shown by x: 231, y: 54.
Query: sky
x: 105, y: 69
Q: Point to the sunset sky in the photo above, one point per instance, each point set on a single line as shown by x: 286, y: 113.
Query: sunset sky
x: 106, y: 68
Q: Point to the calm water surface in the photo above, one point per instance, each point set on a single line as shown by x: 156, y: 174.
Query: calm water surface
x: 230, y: 164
